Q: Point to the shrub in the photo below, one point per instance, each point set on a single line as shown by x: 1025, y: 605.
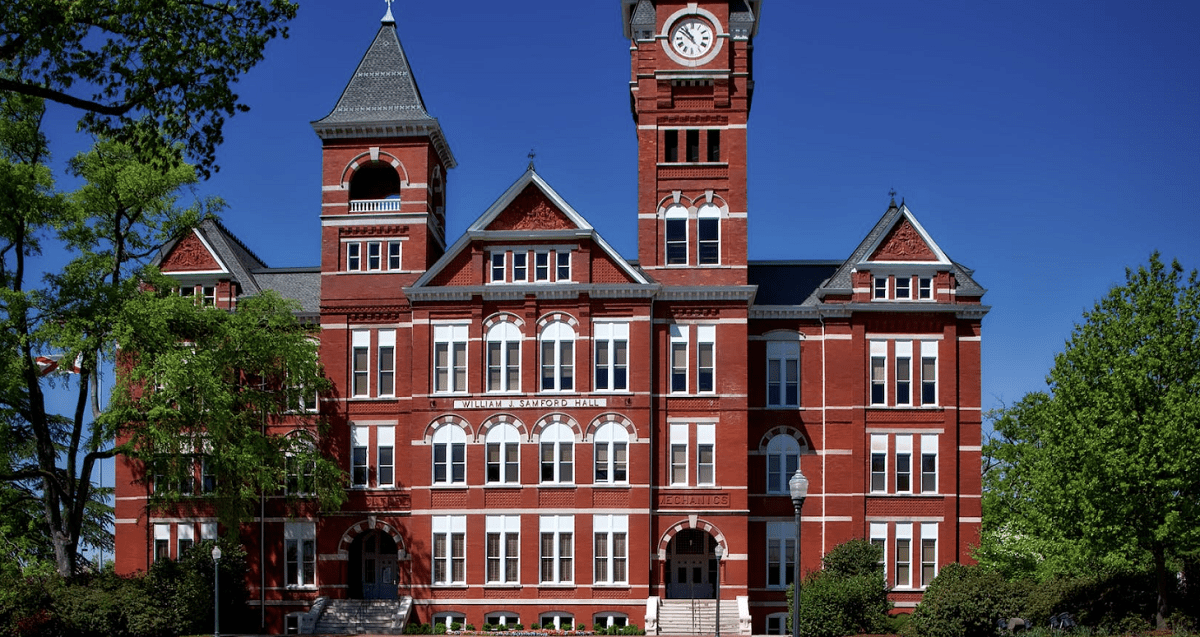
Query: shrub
x: 856, y: 557
x: 580, y: 627
x: 964, y: 601
x: 439, y: 628
x: 834, y: 605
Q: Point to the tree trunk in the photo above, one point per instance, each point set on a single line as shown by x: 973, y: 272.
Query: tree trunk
x: 1160, y: 576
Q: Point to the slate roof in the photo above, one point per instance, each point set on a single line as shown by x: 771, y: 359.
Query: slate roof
x: 300, y: 284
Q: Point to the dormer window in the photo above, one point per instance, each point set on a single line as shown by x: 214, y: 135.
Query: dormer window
x: 900, y: 288
x: 924, y: 288
x: 512, y: 266
x: 881, y: 288
x: 903, y: 288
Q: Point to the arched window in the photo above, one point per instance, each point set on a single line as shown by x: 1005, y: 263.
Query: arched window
x: 504, y: 358
x: 677, y: 235
x: 449, y: 455
x: 558, y: 357
x: 375, y: 180
x: 503, y: 455
x: 612, y: 453
x: 783, y: 373
x: 708, y: 235
x: 557, y: 621
x: 557, y: 448
x: 783, y: 457
x: 607, y: 620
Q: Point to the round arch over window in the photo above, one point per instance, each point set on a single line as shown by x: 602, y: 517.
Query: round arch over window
x: 611, y: 453
x: 783, y: 458
x: 676, y: 217
x: 503, y: 453
x: 375, y: 180
x: 503, y: 342
x: 556, y: 449
x: 557, y: 357
x: 449, y: 455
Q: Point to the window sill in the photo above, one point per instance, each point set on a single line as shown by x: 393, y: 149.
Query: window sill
x: 612, y: 586
x: 557, y: 485
x: 557, y: 585
x: 502, y: 585
x: 462, y: 586
x: 449, y: 487
x: 610, y: 485
x: 296, y: 587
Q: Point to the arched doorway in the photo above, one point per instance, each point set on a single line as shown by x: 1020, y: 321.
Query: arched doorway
x: 691, y: 569
x: 373, y: 568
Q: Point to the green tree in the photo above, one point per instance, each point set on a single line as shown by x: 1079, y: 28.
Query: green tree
x: 1103, y: 469
x: 141, y: 70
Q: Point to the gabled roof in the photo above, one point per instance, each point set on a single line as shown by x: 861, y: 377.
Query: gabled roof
x: 230, y: 253
x: 482, y: 229
x: 861, y: 259
x: 382, y: 98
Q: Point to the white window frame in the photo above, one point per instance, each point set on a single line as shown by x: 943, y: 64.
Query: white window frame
x: 783, y: 458
x: 562, y: 265
x: 453, y: 339
x: 929, y: 534
x: 878, y: 536
x: 385, y: 379
x: 610, y: 441
x: 360, y: 370
x: 708, y: 212
x: 879, y: 288
x: 677, y: 360
x: 780, y: 555
x: 541, y: 265
x: 394, y: 252
x: 448, y: 618
x: 498, y: 262
x: 929, y: 456
x: 502, y: 437
x: 507, y: 567
x: 925, y: 288
x: 449, y: 438
x: 929, y: 349
x: 904, y: 288
x: 706, y: 444
x: 557, y: 618
x: 610, y: 619
x: 556, y: 454
x: 360, y: 453
x: 678, y: 459
x: 385, y: 456
x: 520, y: 267
x: 561, y: 567
x: 904, y: 463
x: 208, y: 531
x: 674, y: 215
x: 611, y: 339
x: 503, y: 336
x: 783, y: 358
x: 374, y: 256
x: 354, y: 260
x: 904, y: 554
x: 451, y: 558
x: 777, y: 624
x: 300, y: 572
x: 878, y: 467
x: 706, y: 340
x: 903, y: 373
x: 877, y: 374
x: 558, y: 341
x: 184, y: 532
x: 610, y: 535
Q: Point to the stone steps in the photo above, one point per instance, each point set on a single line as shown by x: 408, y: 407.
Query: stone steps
x: 693, y: 617
x: 363, y: 616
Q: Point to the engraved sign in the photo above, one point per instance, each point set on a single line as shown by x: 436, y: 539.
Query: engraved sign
x: 693, y: 500
x: 532, y: 403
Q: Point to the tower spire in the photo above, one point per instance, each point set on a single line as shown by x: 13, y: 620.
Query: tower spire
x: 387, y: 17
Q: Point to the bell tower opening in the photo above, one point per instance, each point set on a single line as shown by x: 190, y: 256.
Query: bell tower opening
x: 375, y: 180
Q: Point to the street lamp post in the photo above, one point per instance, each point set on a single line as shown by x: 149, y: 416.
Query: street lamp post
x: 720, y: 551
x: 798, y: 486
x: 216, y: 555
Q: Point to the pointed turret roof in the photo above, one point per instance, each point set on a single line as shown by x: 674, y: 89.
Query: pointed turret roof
x: 382, y: 98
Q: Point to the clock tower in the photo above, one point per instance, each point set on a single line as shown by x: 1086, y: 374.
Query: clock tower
x: 690, y: 94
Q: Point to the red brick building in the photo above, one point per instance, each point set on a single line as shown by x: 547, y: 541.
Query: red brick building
x: 537, y: 429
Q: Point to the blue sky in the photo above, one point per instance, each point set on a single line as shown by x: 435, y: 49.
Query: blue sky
x: 1045, y: 144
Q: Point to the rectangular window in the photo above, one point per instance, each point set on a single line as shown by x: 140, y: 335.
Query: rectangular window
x: 878, y: 373
x: 904, y: 351
x: 374, y: 256
x: 360, y: 342
x: 387, y: 363
x: 504, y: 365
x: 300, y: 554
x: 503, y: 549
x: 497, y: 267
x: 929, y: 369
x: 358, y: 456
x: 929, y: 454
x: 924, y: 288
x: 781, y: 554
x: 708, y: 235
x: 671, y: 146
x: 781, y: 466
x: 783, y: 373
x: 706, y: 339
x: 904, y: 554
x: 503, y: 462
x: 904, y: 463
x: 563, y: 266
x: 208, y: 476
x: 706, y: 441
x: 520, y: 266
x: 879, y: 447
x: 679, y: 453
x: 299, y: 478
x: 714, y: 145
x: 385, y: 445
x: 929, y: 533
x: 449, y: 549
x: 393, y: 255
x: 185, y: 537
x: 450, y: 358
x: 449, y: 462
x: 903, y: 287
x: 210, y: 295
x: 208, y: 531
x: 879, y: 538
x: 541, y: 266
x: 612, y: 356
x: 354, y: 257
x: 679, y: 358
x: 558, y: 359
x: 610, y: 552
x: 677, y: 240
x: 188, y: 483
x: 693, y: 145
x: 881, y: 285
x: 557, y: 549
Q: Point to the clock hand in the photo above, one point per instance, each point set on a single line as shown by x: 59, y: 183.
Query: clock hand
x: 687, y: 35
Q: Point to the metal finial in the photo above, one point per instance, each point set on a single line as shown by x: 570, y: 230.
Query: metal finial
x: 387, y: 17
x: 892, y: 194
x: 531, y: 155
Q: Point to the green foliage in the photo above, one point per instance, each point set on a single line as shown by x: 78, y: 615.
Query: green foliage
x: 853, y: 558
x: 140, y: 71
x: 964, y: 601
x: 1102, y: 472
x: 848, y: 596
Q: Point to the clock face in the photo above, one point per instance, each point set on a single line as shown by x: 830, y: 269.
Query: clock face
x: 692, y: 37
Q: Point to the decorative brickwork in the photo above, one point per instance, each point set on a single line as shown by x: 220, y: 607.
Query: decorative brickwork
x: 189, y: 255
x: 904, y: 243
x: 531, y: 211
